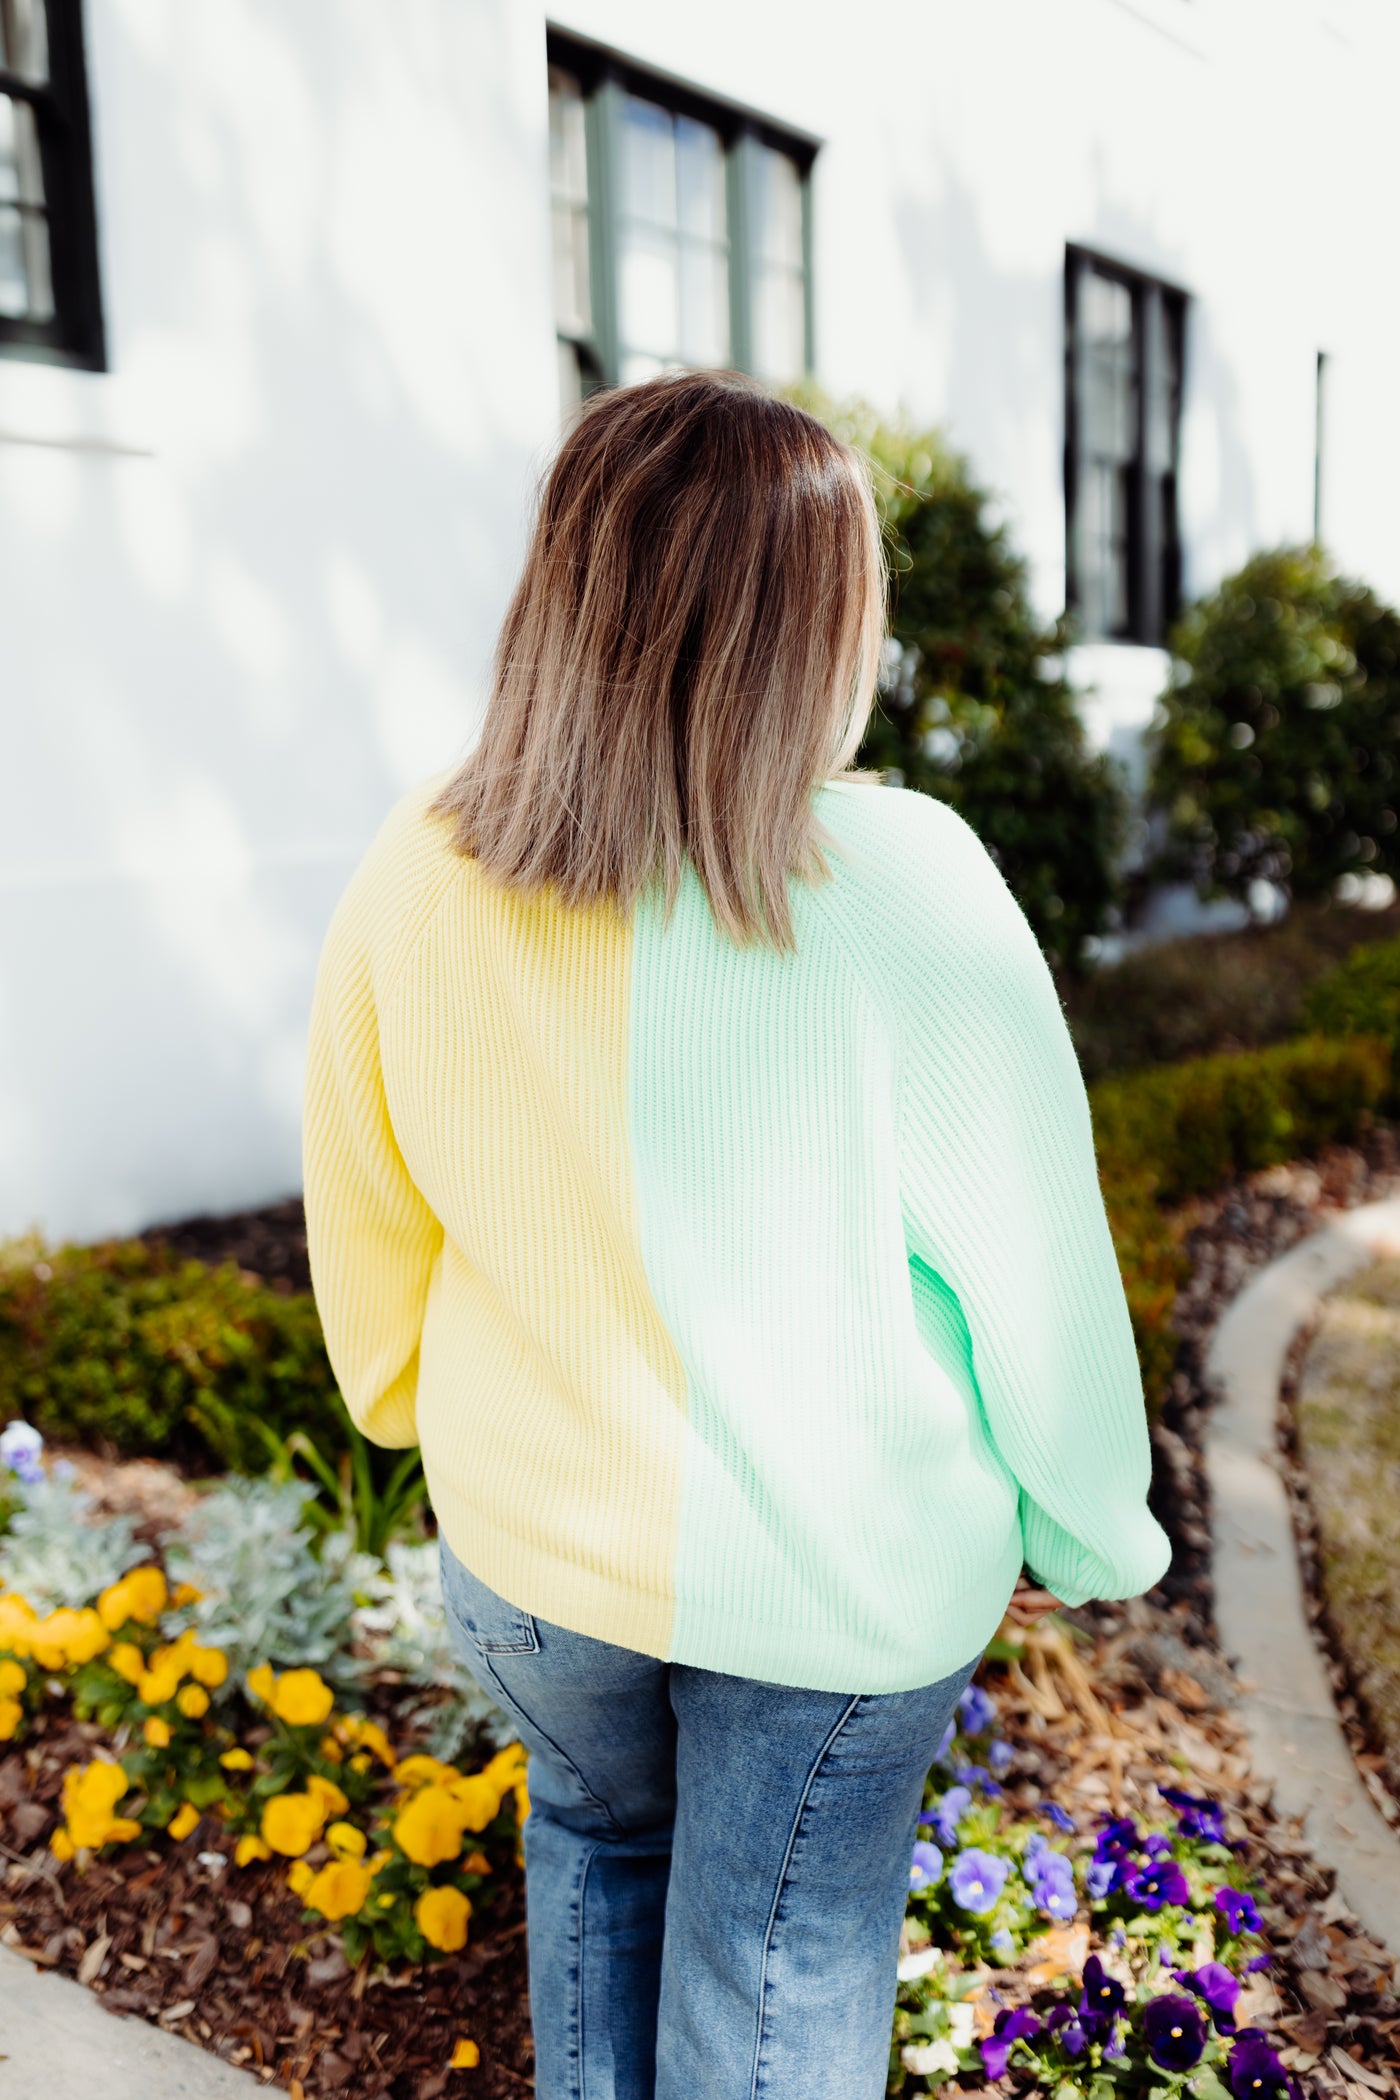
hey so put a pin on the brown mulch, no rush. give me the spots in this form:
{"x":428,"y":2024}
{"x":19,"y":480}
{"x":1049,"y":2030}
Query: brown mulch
{"x":229,"y":1962}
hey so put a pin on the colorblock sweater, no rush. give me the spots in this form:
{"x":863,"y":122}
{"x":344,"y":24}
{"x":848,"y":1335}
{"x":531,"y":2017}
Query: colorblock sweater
{"x":756,"y":1312}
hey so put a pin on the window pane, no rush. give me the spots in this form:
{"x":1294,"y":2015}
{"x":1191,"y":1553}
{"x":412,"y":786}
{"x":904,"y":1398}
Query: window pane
{"x":573,"y":308}
{"x":24,"y":39}
{"x":700,"y":180}
{"x":673,"y":270}
{"x":704,"y":305}
{"x":648,"y":162}
{"x":21,"y":172}
{"x":1108,"y":446}
{"x":777,"y":207}
{"x":568,"y":152}
{"x":26,"y":285}
{"x":648,"y":285}
{"x":779,"y":326}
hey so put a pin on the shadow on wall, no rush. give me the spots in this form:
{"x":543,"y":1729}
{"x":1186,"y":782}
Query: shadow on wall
{"x":235,"y":653}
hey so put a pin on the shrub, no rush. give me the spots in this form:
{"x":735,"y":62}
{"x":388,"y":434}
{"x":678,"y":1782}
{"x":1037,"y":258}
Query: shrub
{"x":1206,"y":993}
{"x":1360,"y":997}
{"x":126,"y":1345}
{"x":973,"y":707}
{"x":1180,"y":1130}
{"x":1275,"y":757}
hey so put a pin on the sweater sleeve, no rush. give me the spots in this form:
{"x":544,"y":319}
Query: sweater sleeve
{"x":372,"y":1240}
{"x":1002,"y":1199}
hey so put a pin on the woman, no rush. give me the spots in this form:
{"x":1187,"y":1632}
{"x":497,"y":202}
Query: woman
{"x":724,"y":1225}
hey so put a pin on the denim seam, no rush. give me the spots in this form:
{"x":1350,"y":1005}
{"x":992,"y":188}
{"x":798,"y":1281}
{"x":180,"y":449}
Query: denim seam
{"x":511,"y":1703}
{"x":771,"y":1929}
{"x":578,"y":2039}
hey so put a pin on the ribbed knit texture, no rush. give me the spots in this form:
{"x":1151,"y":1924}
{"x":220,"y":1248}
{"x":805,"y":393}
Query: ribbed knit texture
{"x":754,"y":1311}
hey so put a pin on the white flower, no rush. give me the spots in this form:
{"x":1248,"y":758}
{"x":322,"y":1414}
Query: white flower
{"x":20,"y":1450}
{"x":929,"y":2056}
{"x":915,"y":1965}
{"x":962,"y":2024}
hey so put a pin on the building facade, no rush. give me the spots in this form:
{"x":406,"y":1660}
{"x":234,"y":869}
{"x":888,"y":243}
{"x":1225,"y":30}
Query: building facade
{"x":292,"y":293}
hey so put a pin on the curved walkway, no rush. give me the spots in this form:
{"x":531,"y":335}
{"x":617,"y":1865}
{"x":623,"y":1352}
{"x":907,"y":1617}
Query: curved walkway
{"x":1286,"y":1700}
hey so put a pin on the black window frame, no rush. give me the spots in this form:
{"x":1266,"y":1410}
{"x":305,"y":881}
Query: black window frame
{"x":1154,"y":561}
{"x":75,"y":334}
{"x":602,"y":72}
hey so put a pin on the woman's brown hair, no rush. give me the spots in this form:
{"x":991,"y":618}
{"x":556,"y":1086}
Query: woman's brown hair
{"x":691,"y":650}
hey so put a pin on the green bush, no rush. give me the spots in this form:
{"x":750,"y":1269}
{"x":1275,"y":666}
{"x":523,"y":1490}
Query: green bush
{"x":1275,"y":757}
{"x":126,"y":1345}
{"x":1178,"y":1131}
{"x":1361,"y":996}
{"x":975,"y":710}
{"x":1207,"y":993}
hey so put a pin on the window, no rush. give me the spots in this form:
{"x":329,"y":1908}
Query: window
{"x":49,"y":305}
{"x":681,"y":227}
{"x":1124,"y":342}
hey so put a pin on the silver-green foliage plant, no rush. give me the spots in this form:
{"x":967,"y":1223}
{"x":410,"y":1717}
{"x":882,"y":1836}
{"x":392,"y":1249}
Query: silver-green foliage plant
{"x":403,"y":1622}
{"x":56,"y":1552}
{"x":267,"y":1593}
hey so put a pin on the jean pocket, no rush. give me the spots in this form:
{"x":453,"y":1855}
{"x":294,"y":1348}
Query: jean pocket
{"x":488,"y":1621}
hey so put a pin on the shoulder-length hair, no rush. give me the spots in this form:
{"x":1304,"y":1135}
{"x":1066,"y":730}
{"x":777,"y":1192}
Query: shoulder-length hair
{"x":691,"y":650}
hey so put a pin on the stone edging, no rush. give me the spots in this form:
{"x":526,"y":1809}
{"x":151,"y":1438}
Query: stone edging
{"x":1285,"y":1701}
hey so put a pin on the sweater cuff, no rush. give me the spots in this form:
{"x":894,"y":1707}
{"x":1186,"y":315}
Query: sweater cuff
{"x":1076,"y":1574}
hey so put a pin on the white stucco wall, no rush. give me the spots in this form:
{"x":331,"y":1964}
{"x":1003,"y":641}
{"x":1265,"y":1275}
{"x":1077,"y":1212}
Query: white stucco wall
{"x":249,"y":579}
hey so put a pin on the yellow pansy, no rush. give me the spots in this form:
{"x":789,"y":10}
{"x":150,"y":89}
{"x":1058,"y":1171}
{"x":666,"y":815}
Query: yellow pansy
{"x":429,"y":1827}
{"x":237,"y":1760}
{"x":522,"y":1802}
{"x":250,"y":1848}
{"x":346,"y":1842}
{"x":61,"y":1845}
{"x":302,"y":1699}
{"x":184,"y":1820}
{"x":68,"y":1637}
{"x":300,"y":1877}
{"x":328,"y":1794}
{"x":127,"y":1660}
{"x":465,"y":2055}
{"x":185,"y":1593}
{"x":12,"y":1678}
{"x":17,"y":1623}
{"x":193,"y":1701}
{"x":141,"y":1594}
{"x":156,"y":1687}
{"x":479,"y":1800}
{"x":441,"y":1916}
{"x":208,"y":1666}
{"x":11,"y":1714}
{"x":507,"y":1766}
{"x":90,"y":1793}
{"x":421,"y":1770}
{"x":477,"y":1863}
{"x":330,"y":1748}
{"x":156,"y":1732}
{"x":378,"y":1860}
{"x":356,"y":1728}
{"x":339,"y":1890}
{"x":361,"y":1761}
{"x":262,"y":1682}
{"x":291,"y":1823}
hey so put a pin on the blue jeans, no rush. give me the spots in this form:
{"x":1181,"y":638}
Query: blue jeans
{"x":715,"y":1869}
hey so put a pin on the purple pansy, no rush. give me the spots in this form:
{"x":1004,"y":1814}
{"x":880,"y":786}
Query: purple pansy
{"x":1197,"y":1817}
{"x":1254,"y":2070}
{"x":1103,"y":1997}
{"x":978,"y":1776}
{"x":1213,"y":1982}
{"x":1064,"y":2023}
{"x":925,"y":1866}
{"x":21,"y":1450}
{"x":1118,"y":1838}
{"x":1260,"y":1961}
{"x":1058,"y":1817}
{"x":947,"y":1812}
{"x":1011,"y":2027}
{"x":1001,"y":1941}
{"x":1156,"y":1846}
{"x":1240,"y":1910}
{"x":1175,"y":2029}
{"x":1050,"y":1878}
{"x":949,"y":1732}
{"x":977,"y":1709}
{"x":977,"y":1879}
{"x":1102,"y":1876}
{"x":1160,"y":1881}
{"x":1001,"y":1757}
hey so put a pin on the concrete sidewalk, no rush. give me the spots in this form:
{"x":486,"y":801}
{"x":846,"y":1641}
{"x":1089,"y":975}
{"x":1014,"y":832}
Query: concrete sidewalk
{"x":1295,"y":1736}
{"x":56,"y":2043}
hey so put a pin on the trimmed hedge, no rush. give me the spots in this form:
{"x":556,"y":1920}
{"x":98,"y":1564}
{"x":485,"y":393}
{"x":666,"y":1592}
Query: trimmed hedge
{"x":1361,"y":996}
{"x":1177,"y":1131}
{"x":128,"y":1345}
